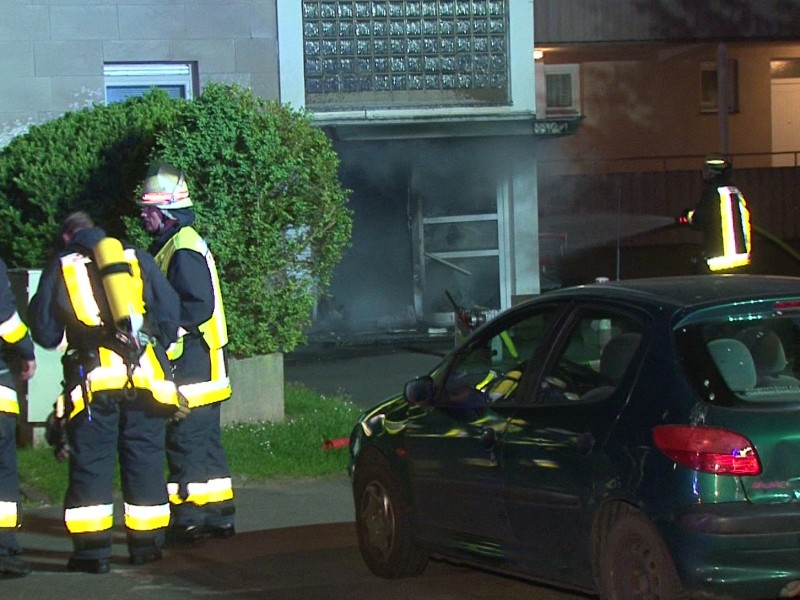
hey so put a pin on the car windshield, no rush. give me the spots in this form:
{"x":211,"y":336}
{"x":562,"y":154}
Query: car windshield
{"x":754,"y":359}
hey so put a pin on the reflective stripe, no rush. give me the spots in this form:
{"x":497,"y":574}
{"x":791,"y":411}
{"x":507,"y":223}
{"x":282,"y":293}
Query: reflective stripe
{"x":735,"y":251}
{"x":146,"y":518}
{"x":79,"y":289}
{"x":9,"y":517}
{"x":112,"y":375}
{"x":197,"y":493}
{"x":220,"y":489}
{"x":8,"y":400}
{"x":89,"y":519}
{"x":215,"y":331}
{"x":13,"y":329}
{"x":209,"y":392}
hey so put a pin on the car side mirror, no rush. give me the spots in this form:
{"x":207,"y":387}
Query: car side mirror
{"x":420,"y":390}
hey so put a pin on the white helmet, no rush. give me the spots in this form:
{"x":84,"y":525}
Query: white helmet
{"x":165,"y":187}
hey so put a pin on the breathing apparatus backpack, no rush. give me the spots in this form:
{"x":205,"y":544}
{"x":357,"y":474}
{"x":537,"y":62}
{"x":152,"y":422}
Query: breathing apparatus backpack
{"x":124,"y":292}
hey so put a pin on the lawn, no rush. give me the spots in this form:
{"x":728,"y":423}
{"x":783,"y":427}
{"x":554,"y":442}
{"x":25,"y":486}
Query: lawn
{"x":293,"y":447}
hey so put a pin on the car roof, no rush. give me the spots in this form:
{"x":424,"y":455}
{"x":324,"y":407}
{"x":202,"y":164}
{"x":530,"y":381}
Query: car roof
{"x":688,"y":291}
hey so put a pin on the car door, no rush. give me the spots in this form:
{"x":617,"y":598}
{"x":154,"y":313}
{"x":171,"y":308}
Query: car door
{"x":552,"y":449}
{"x":451,"y":446}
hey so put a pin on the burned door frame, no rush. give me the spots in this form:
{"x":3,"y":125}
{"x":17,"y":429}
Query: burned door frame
{"x":421,"y":256}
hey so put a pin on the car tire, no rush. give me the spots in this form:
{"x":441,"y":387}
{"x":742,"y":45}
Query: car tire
{"x":384,"y":524}
{"x":633,"y":562}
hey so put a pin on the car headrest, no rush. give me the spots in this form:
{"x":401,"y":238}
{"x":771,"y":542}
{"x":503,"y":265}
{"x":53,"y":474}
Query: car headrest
{"x":617,"y":355}
{"x":735,"y":363}
{"x":766,"y":348}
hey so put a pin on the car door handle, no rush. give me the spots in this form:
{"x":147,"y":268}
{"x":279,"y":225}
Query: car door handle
{"x":488,"y":438}
{"x":584,"y":443}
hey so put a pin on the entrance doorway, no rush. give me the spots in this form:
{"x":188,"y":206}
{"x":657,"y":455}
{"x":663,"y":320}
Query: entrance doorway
{"x":785,"y":94}
{"x":459,"y":240}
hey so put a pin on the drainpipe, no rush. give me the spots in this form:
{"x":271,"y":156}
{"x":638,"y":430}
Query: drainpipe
{"x":723,"y":102}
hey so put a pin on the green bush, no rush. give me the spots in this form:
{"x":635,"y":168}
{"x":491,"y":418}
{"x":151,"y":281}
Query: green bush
{"x":263,"y":180}
{"x":85,"y":160}
{"x":268,"y":200}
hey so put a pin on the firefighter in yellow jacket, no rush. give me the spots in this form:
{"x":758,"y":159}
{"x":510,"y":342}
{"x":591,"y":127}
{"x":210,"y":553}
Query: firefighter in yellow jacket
{"x":723,"y":217}
{"x":200,"y":489}
{"x":118,"y":314}
{"x":16,"y":357}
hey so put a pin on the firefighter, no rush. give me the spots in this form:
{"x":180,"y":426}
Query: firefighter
{"x":723,"y":217}
{"x":117,"y":390}
{"x":17,"y":356}
{"x":199,"y":483}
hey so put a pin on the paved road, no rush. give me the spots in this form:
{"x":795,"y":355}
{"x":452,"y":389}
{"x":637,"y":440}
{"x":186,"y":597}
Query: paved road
{"x":295,"y":542}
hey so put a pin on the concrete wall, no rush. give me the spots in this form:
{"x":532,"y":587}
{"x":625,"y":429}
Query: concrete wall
{"x":52,"y":51}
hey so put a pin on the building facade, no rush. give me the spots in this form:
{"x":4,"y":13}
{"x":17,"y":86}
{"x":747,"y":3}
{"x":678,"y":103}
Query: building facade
{"x":475,"y":170}
{"x":430,"y":103}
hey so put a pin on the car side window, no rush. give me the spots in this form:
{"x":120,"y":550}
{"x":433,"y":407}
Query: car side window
{"x":491,"y":367}
{"x":591,"y":363}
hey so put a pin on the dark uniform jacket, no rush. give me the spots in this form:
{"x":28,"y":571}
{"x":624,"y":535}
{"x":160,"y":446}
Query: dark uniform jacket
{"x":15,"y":342}
{"x":52,"y":315}
{"x":200,"y":363}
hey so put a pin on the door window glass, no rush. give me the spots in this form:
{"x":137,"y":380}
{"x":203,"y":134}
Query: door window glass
{"x":597,"y":353}
{"x":491,"y":367}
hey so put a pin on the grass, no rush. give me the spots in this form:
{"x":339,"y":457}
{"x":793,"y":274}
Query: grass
{"x":291,"y":448}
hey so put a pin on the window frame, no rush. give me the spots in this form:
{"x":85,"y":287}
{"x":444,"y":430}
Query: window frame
{"x":118,"y":75}
{"x":709,"y":92}
{"x":573,"y":71}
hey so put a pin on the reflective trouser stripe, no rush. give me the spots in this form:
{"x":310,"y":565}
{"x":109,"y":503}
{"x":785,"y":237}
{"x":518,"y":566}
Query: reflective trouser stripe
{"x":8,"y":514}
{"x":197,"y":493}
{"x":89,"y":519}
{"x":215,"y":490}
{"x":146,"y":518}
{"x":220,"y":489}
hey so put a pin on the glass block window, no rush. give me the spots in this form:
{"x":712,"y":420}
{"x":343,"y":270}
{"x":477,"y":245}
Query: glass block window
{"x":405,"y":53}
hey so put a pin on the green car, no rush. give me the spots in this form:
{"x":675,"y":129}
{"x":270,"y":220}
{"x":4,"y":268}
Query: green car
{"x":633,"y":439}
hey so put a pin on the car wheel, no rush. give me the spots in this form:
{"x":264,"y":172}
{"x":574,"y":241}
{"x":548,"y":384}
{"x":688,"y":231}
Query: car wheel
{"x":634,"y":563}
{"x":383,"y":524}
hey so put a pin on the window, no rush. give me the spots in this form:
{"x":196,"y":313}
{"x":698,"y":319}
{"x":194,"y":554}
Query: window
{"x":123,"y":80}
{"x":595,"y":358}
{"x":492,"y":367}
{"x":709,"y":83}
{"x":562,"y":90}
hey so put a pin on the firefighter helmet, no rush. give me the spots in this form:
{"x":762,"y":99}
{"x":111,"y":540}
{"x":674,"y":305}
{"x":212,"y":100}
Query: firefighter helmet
{"x":165,"y":187}
{"x":716,"y":165}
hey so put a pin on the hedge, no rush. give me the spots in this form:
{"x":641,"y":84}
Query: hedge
{"x":263,"y":180}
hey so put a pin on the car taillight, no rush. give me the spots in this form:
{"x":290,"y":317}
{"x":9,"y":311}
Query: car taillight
{"x":708,"y":449}
{"x":785,"y":306}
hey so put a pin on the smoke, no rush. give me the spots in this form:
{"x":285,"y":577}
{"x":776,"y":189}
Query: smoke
{"x":600,"y":229}
{"x":394,"y":184}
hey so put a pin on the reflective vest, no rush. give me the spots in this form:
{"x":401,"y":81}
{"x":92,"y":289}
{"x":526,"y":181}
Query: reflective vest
{"x":214,"y":331}
{"x":111,"y":372}
{"x":735,"y":231}
{"x":12,"y":330}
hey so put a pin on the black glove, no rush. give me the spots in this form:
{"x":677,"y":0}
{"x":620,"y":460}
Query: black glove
{"x":55,"y":433}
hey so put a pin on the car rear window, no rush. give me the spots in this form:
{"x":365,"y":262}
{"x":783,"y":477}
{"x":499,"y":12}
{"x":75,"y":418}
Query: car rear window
{"x":751,"y":358}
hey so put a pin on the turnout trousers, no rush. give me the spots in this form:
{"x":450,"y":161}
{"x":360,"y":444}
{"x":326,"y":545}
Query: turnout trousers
{"x":9,"y":485}
{"x":200,"y":489}
{"x":134,"y":430}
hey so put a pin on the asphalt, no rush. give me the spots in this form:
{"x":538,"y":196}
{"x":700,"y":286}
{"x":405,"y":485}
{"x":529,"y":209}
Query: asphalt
{"x":295,"y":538}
